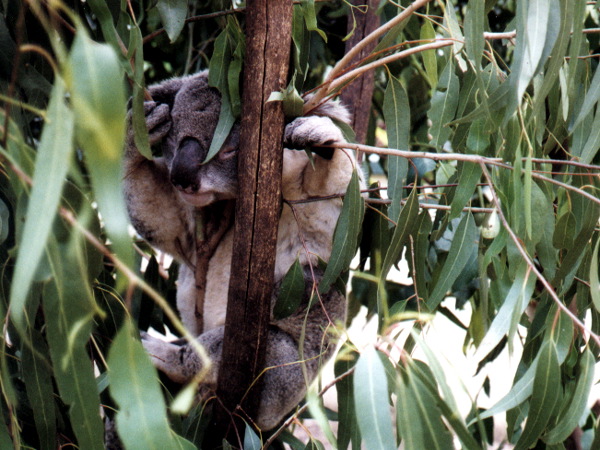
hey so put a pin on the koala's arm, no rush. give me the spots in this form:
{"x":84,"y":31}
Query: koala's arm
{"x":154,"y":207}
{"x":284,"y":383}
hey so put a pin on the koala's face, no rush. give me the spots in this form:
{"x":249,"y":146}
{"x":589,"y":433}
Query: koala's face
{"x":194,"y":114}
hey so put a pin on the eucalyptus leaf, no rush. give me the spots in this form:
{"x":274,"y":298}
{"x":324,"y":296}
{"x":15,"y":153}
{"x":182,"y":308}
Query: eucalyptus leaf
{"x":172,"y":14}
{"x":465,"y":239}
{"x":574,"y":408}
{"x":371,"y":401}
{"x":443,"y":105}
{"x":345,"y":238}
{"x":141,"y":419}
{"x":51,"y":167}
{"x":544,"y":396}
{"x":98,"y":99}
{"x":291,"y":292}
{"x":396,"y":111}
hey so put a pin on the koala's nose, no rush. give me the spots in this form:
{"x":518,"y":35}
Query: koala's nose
{"x":186,"y":164}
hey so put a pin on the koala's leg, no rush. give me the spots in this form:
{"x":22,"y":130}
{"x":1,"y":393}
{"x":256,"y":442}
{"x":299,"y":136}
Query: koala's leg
{"x":290,"y":367}
{"x":155,"y":209}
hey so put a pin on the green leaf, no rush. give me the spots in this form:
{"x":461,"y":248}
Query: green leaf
{"x":348,"y":431}
{"x":69,"y":308}
{"x":310,"y":17}
{"x":538,"y":25}
{"x":594,"y":282}
{"x":105,"y":19}
{"x":512,"y":307}
{"x":98,"y":99}
{"x":172,"y":15}
{"x":52,"y":163}
{"x":443,"y":105}
{"x":591,"y":98}
{"x":429,"y":56}
{"x":447,"y":405}
{"x":544,"y":396}
{"x":4,"y":221}
{"x":455,"y":33}
{"x":563,"y":233}
{"x":291,"y":292}
{"x":38,"y":381}
{"x":371,"y":400}
{"x":251,"y":440}
{"x":557,"y":57}
{"x":396,"y":111}
{"x":142,"y":416}
{"x":474,"y":28}
{"x":138,"y":117}
{"x":218,"y":71}
{"x":317,"y":412}
{"x":469,"y":175}
{"x":404,"y":228}
{"x":575,"y":406}
{"x":428,"y":421}
{"x":478,"y":139}
{"x":465,"y":239}
{"x":345,"y":238}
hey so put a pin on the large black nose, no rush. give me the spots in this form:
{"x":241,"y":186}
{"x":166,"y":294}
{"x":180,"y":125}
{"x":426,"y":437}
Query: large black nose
{"x":186,"y":164}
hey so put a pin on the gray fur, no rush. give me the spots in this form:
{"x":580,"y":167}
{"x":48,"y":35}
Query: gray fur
{"x":163,"y":197}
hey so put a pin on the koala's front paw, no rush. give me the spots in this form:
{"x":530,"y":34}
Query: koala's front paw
{"x":313,"y":132}
{"x":158,"y":120}
{"x":178,"y":362}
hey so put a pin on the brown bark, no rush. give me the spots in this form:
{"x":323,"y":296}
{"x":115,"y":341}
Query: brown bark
{"x":357,"y":96}
{"x":268,"y":43}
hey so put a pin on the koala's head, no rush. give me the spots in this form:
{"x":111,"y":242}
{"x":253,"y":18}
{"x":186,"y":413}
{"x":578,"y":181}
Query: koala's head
{"x":194,"y":112}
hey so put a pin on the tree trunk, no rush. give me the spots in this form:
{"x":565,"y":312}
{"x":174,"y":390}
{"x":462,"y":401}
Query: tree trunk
{"x":357,"y":96}
{"x":268,"y":43}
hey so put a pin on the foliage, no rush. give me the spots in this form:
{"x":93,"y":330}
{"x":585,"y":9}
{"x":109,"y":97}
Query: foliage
{"x":492,"y":118}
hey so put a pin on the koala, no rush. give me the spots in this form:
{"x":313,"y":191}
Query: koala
{"x":164,"y":197}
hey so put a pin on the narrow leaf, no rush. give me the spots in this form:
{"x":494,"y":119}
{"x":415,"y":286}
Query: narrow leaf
{"x":345,"y":238}
{"x":594,"y":281}
{"x":98,"y":98}
{"x":591,"y":98}
{"x":172,"y":15}
{"x":443,"y":105}
{"x":474,"y":28}
{"x":403,"y":229}
{"x":371,"y":397}
{"x":513,"y":306}
{"x":429,"y":56}
{"x":575,"y":408}
{"x":466,"y":238}
{"x":468,"y":176}
{"x":396,"y":111}
{"x":141,"y":419}
{"x":543,"y":398}
{"x":290,"y":292}
{"x":51,"y":167}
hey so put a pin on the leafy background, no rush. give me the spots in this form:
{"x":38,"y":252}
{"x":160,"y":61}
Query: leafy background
{"x":487,"y":134}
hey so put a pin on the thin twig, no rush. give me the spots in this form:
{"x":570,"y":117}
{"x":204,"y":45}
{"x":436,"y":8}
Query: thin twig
{"x":476,"y":159}
{"x":356,"y":50}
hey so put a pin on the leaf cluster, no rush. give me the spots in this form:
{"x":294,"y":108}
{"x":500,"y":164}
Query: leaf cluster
{"x":485,"y":197}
